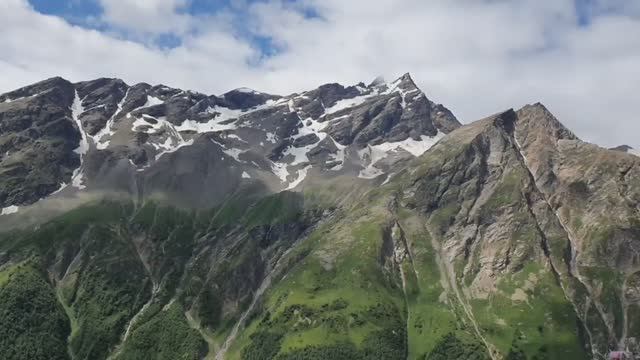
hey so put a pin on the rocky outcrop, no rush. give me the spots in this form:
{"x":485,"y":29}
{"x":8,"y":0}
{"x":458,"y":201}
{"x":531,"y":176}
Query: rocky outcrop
{"x":37,"y":141}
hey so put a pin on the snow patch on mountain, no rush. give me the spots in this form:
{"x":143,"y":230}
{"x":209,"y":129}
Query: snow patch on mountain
{"x":215,"y":124}
{"x":9,"y":210}
{"x":299,"y":154}
{"x":348,"y":103}
{"x":302,"y":174}
{"x":151,"y":101}
{"x":173,"y":139}
{"x":234,"y":153}
{"x":108,"y":128}
{"x":236,"y":137}
{"x":223,"y":119}
{"x":280,"y":170}
{"x":76,"y":110}
{"x":174,"y":148}
{"x":371,"y":154}
{"x":62,"y":187}
{"x":77,"y":179}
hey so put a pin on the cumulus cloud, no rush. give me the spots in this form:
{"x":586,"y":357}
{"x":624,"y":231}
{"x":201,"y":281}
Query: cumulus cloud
{"x":148,"y":17}
{"x":477,"y":57}
{"x":36,"y":46}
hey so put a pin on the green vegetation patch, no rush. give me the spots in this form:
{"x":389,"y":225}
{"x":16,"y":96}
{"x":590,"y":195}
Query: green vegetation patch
{"x":454,"y":347}
{"x":335,"y":300}
{"x":166,"y":336}
{"x":282,"y":207}
{"x":530,"y":316}
{"x":32,"y":324}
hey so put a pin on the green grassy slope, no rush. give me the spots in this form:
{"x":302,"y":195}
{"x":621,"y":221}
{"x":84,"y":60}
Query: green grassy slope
{"x":32,"y":324}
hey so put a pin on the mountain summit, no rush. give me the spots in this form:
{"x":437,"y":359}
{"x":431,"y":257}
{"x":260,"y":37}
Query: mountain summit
{"x":106,"y":135}
{"x":343,"y":222}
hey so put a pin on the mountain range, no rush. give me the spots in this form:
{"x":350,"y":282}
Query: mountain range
{"x":344,"y":222}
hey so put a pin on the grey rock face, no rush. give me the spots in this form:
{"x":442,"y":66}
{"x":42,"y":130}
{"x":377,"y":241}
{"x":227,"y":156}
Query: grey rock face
{"x":37,"y":139}
{"x":194,"y":148}
{"x":100,"y":99}
{"x":245,"y":98}
{"x":305,"y":140}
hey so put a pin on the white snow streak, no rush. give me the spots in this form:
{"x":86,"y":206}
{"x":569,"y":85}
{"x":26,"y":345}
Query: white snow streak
{"x":76,"y":110}
{"x":224,"y":114}
{"x":9,"y":210}
{"x":108,"y":128}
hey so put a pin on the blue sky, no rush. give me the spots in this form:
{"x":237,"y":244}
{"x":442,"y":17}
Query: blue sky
{"x":477,"y":57}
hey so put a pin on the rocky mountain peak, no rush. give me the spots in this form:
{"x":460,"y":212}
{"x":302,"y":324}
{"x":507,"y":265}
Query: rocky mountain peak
{"x":406,"y":81}
{"x":626,"y":149}
{"x":142,"y":132}
{"x":536,"y":117}
{"x":59,"y":88}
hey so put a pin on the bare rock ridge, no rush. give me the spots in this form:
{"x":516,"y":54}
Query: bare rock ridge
{"x":137,"y":136}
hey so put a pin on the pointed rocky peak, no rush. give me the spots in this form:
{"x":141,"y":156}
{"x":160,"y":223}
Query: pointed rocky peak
{"x":499,"y":123}
{"x":246,"y":98}
{"x":626,"y":149}
{"x":407,"y":80}
{"x":62,"y":89}
{"x":403,"y":84}
{"x":536,"y":117}
{"x":622,"y":148}
{"x":50,"y":83}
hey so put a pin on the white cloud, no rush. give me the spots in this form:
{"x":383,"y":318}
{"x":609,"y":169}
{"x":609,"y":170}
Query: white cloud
{"x":476,"y":57}
{"x":147,"y":16}
{"x":35,"y":46}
